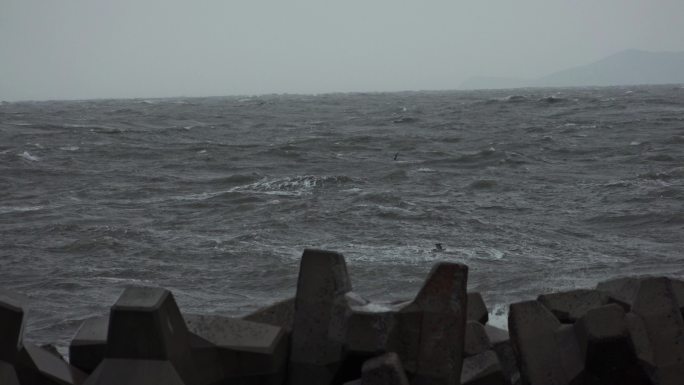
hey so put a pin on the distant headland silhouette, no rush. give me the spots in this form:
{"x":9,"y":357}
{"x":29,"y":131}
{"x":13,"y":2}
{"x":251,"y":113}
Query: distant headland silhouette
{"x":629,"y":67}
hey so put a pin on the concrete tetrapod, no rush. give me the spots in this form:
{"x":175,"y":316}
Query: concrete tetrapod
{"x":383,"y":370}
{"x":237,"y":351}
{"x":658,"y":310}
{"x":483,"y":369}
{"x":476,"y":339}
{"x":501,"y":344}
{"x":607,"y":349}
{"x":147,"y":342}
{"x":535,"y":334}
{"x":87,"y":348}
{"x":569,"y":306}
{"x":429,"y":332}
{"x":280,"y":314}
{"x":27,"y":364}
{"x":317,"y":346}
{"x":477,"y":310}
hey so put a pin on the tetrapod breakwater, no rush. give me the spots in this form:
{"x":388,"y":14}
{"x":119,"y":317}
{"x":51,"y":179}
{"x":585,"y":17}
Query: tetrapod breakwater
{"x":626,"y":331}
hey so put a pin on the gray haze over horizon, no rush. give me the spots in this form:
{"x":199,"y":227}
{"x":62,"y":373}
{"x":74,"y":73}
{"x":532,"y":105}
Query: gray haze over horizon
{"x":82,"y":49}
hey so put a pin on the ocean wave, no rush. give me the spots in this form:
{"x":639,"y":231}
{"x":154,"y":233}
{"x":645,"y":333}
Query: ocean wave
{"x":552,"y":100}
{"x":515,"y":99}
{"x":673,"y":173}
{"x":19,"y":209}
{"x":295,"y":185}
{"x":638,"y":219}
{"x":287,"y":186}
{"x":404,"y":120}
{"x":483,"y":184}
{"x":27,"y":156}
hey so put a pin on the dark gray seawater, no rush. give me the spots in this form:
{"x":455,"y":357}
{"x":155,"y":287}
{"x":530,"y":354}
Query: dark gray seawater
{"x":215,"y":198}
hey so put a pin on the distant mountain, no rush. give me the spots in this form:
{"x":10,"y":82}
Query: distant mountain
{"x":628,"y":67}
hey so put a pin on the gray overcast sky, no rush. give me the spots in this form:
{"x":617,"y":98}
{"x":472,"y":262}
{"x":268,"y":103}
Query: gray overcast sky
{"x":76,"y":49}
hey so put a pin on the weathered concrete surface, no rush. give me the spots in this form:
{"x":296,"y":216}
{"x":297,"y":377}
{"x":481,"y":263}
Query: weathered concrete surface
{"x":317,"y":347}
{"x":501,"y":344}
{"x":243,"y":351}
{"x":535,"y":333}
{"x":483,"y":369}
{"x":496,"y":335}
{"x":279,"y":314}
{"x":639,"y":337}
{"x":657,"y":307}
{"x":430,"y":332}
{"x":570,"y":355}
{"x":621,"y":290}
{"x":11,"y":327}
{"x":477,"y":310}
{"x":35,"y":365}
{"x":368,"y":328}
{"x":476,"y":340}
{"x":87,"y":348}
{"x":384,"y":370}
{"x":678,"y":288}
{"x":146,"y":332}
{"x":8,"y":376}
{"x":569,"y":306}
{"x":26,"y":363}
{"x":117,"y":371}
{"x":604,"y":341}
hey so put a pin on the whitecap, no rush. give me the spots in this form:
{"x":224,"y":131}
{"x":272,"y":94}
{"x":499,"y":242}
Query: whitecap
{"x":70,"y":148}
{"x":19,"y":209}
{"x":295,"y":185}
{"x":27,"y":156}
{"x":353,"y":190}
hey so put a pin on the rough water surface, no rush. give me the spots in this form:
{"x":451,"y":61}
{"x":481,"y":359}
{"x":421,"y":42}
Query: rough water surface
{"x":536,"y":190}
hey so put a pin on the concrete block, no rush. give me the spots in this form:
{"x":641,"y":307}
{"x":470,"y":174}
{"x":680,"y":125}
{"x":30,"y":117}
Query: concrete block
{"x":570,"y":355}
{"x":242,"y":350}
{"x":11,"y":327}
{"x":145,"y":323}
{"x":8,"y":376}
{"x":368,"y":329}
{"x":533,"y":331}
{"x":604,"y":340}
{"x":279,"y":314}
{"x":477,"y":310}
{"x":496,"y":335}
{"x":483,"y":369}
{"x":384,"y":370}
{"x":569,"y":306}
{"x":117,"y":371}
{"x":87,"y":348}
{"x":317,"y":347}
{"x":657,"y":307}
{"x":476,"y":340}
{"x":501,"y":345}
{"x":678,"y":288}
{"x":621,"y":290}
{"x":147,"y":331}
{"x":639,"y":337}
{"x":429,"y":332}
{"x":35,"y":365}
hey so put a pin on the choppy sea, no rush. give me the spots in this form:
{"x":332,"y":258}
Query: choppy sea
{"x":536,"y":190}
